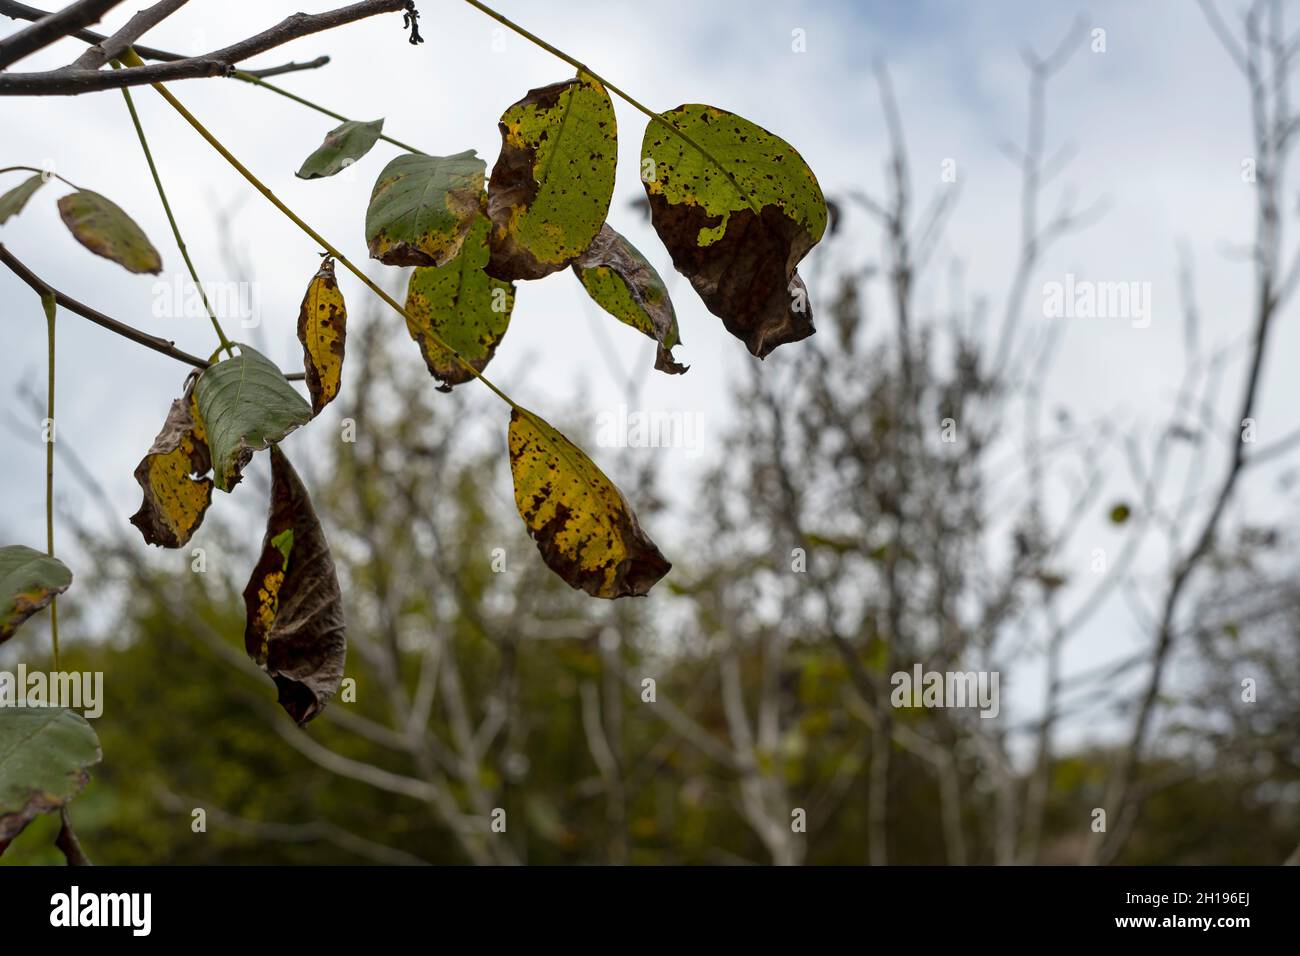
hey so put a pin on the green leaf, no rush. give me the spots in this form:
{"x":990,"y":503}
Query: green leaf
{"x":29,"y":580}
{"x":245,"y":404}
{"x":12,"y":202}
{"x":343,"y":146}
{"x":422,"y":207}
{"x":583,"y":526}
{"x":322,"y":330}
{"x":626,"y":285}
{"x":295,"y":628}
{"x":738,"y":208}
{"x":175,"y":501}
{"x":460,"y":304}
{"x":101,"y":226}
{"x":552,"y":183}
{"x":45,"y":753}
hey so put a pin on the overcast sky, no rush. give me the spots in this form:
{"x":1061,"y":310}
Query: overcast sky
{"x":1159,"y":121}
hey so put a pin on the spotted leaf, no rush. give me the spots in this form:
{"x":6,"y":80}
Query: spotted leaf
{"x":172,"y":477}
{"x":738,"y":208}
{"x":322,"y":328}
{"x":583,"y":526}
{"x":461,"y":305}
{"x":552,"y":183}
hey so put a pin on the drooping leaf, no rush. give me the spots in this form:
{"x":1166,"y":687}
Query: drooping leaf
{"x":176,"y":495}
{"x":738,"y":208}
{"x":623,"y":283}
{"x":463,"y":306}
{"x":101,"y":226}
{"x":45,"y":756}
{"x":29,"y":580}
{"x":322,"y":328}
{"x":422,"y":207}
{"x":583,"y":526}
{"x":295,"y":629}
{"x":343,"y":146}
{"x":12,"y":202}
{"x":245,"y":404}
{"x":551,"y":186}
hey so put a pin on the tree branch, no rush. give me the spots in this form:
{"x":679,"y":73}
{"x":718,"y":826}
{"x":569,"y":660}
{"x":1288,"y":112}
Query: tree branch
{"x":157,"y":343}
{"x":72,"y":80}
{"x":50,"y":27}
{"x":20,"y":11}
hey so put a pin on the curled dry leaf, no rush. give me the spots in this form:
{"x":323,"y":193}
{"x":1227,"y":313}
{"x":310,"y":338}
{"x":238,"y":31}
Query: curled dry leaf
{"x":245,"y":404}
{"x":552,"y":183}
{"x":343,"y":146}
{"x":12,"y":202}
{"x":738,"y":208}
{"x":584,"y":527}
{"x":45,"y":756}
{"x":422,"y":207}
{"x":295,"y":628}
{"x":29,"y":580}
{"x":322,"y":328}
{"x":461,"y":305}
{"x":624,"y":283}
{"x":171,"y":475}
{"x":101,"y":226}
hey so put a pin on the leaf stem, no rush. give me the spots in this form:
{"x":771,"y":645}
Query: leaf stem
{"x":43,"y":172}
{"x":654,"y":117}
{"x":131,"y":58}
{"x":257,"y":80}
{"x":51,"y":307}
{"x":324,"y":244}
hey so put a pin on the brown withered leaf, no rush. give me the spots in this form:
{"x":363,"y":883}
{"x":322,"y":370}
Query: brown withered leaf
{"x":176,"y":495}
{"x":295,"y":627}
{"x":322,"y":330}
{"x":738,"y":208}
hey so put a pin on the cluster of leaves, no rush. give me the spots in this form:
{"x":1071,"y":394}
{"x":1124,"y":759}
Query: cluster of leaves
{"x":736,"y":206}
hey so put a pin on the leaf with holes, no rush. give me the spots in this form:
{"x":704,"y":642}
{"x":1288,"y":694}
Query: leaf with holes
{"x":623,"y":283}
{"x":45,"y":757}
{"x":552,"y":183}
{"x":461,"y":305}
{"x":12,"y":202}
{"x":322,"y":328}
{"x":171,"y":475}
{"x":738,"y":208}
{"x":101,"y":226}
{"x":343,"y":146}
{"x":29,"y":580}
{"x":245,"y":404}
{"x":422,"y":207}
{"x":295,"y":629}
{"x":583,"y":526}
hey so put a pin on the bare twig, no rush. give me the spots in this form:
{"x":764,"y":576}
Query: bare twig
{"x":50,"y":27}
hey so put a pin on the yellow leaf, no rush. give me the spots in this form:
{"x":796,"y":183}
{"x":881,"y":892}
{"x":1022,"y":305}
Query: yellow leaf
{"x":322,"y":328}
{"x":174,"y":501}
{"x":583,"y":526}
